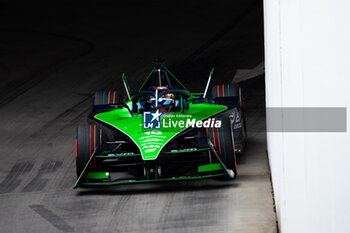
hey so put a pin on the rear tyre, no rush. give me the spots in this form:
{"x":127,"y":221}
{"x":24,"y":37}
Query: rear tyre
{"x":88,"y":139}
{"x":222,"y":139}
{"x":225,"y":90}
{"x":106,"y":97}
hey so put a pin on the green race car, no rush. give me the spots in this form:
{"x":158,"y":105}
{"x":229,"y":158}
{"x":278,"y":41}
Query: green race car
{"x":162,"y":132}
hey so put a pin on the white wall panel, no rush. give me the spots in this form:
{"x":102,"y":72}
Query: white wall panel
{"x":307,"y":49}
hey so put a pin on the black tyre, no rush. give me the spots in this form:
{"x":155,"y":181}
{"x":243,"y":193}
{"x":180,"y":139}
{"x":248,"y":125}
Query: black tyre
{"x":222,"y":139}
{"x":225,"y":90}
{"x":228,"y":94}
{"x":106,"y":97}
{"x":88,"y":139}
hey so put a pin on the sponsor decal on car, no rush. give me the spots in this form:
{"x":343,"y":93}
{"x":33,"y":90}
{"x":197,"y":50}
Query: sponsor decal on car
{"x":182,"y":150}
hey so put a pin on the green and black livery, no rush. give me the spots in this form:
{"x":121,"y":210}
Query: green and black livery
{"x":114,"y":147}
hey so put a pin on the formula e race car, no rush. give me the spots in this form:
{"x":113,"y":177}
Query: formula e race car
{"x":162,"y":132}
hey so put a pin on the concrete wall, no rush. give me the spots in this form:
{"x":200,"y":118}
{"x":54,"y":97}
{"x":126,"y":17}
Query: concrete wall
{"x":307,"y":49}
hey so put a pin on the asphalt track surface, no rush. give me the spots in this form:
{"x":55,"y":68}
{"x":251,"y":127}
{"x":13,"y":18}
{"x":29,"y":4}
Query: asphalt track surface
{"x":54,"y":57}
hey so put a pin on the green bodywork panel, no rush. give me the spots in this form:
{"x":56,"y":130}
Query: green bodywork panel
{"x":210,"y":167}
{"x":151,"y":141}
{"x":97,"y":175}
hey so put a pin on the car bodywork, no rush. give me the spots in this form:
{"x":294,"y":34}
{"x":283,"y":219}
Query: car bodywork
{"x":131,"y":153}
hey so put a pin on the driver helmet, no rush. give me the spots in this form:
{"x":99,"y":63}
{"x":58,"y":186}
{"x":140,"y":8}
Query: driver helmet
{"x":166,"y":100}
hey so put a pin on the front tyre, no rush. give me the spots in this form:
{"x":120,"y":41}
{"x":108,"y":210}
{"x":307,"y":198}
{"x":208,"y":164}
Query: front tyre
{"x":222,"y":139}
{"x":231,"y":96}
{"x":88,"y":139}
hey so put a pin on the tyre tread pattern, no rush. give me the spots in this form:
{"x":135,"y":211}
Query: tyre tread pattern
{"x":106,"y":97}
{"x":223,"y":143}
